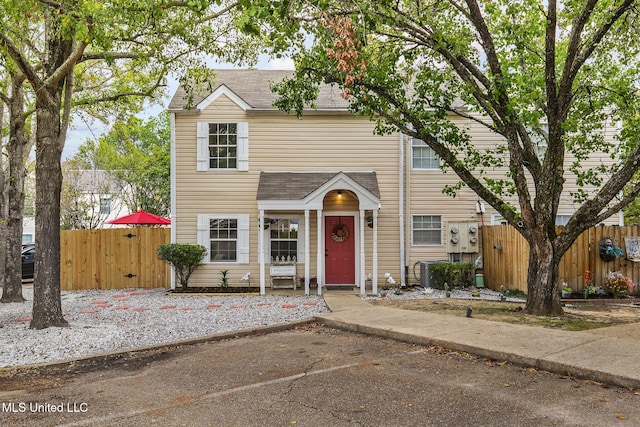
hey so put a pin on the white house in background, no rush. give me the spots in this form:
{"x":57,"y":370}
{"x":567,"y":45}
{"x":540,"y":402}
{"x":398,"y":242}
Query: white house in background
{"x":90,"y":198}
{"x":321,"y":199}
{"x":28,"y":229}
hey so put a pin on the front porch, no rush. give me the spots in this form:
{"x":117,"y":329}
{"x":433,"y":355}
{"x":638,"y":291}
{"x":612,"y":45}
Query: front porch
{"x":336,"y":253}
{"x":349,"y":290}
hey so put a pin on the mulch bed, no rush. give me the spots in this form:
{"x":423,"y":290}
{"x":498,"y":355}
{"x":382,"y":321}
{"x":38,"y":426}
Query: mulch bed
{"x":213,"y":290}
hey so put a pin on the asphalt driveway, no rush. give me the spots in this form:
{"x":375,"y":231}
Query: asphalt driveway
{"x":308,"y":376}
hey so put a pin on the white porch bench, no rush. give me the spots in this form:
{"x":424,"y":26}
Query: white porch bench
{"x":285,"y":272}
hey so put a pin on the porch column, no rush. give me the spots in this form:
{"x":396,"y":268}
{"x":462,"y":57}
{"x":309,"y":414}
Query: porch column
{"x":362,"y":254}
{"x":374,"y":262}
{"x":261,"y":250}
{"x":320,"y":255}
{"x":307,"y":252}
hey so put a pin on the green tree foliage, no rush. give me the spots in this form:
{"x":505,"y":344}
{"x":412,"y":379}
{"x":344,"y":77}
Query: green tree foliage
{"x":183,"y":258}
{"x":135,"y":153}
{"x":548,"y":79}
{"x":106,"y":56}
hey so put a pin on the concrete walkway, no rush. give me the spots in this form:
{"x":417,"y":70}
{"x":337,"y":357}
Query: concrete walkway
{"x":607,"y":355}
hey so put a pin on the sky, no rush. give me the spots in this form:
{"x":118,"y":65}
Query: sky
{"x":81,"y":131}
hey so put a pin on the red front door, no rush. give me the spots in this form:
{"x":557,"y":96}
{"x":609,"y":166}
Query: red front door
{"x":339,"y":237}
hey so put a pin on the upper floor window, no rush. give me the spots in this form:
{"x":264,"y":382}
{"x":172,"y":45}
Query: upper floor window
{"x":539,"y":137}
{"x":427,"y":229}
{"x":105,"y":206}
{"x":283,"y":234}
{"x":223,"y":143}
{"x":423,"y":156}
{"x":222,"y":146}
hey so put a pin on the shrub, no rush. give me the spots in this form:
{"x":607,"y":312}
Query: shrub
{"x":183,"y":258}
{"x":453,"y":274}
{"x":617,"y":283}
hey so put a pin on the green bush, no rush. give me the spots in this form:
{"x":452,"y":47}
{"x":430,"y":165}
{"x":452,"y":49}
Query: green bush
{"x":183,"y":258}
{"x":453,"y":274}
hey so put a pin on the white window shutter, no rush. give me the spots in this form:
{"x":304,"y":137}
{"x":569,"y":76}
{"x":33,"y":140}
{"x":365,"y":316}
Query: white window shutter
{"x":267,"y":244}
{"x":202,"y":146}
{"x":243,"y":239}
{"x":301,"y":243}
{"x":203,"y":234}
{"x":243,"y":146}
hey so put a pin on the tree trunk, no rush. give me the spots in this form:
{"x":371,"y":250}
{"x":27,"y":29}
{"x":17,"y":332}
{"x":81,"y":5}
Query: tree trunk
{"x":543,"y":290}
{"x":12,"y":291}
{"x":47,"y":308}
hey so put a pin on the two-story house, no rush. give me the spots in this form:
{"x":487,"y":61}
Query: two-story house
{"x":91,"y":198}
{"x":261,"y":189}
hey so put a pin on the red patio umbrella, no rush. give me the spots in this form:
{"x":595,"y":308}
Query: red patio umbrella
{"x":140,"y":218}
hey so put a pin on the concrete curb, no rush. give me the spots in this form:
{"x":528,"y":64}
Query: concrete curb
{"x":580,"y":357}
{"x":259,"y":330}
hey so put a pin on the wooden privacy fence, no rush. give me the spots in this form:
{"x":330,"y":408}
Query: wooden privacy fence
{"x":505,"y":256}
{"x":114,"y":258}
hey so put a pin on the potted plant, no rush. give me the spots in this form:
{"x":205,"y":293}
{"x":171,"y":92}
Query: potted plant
{"x":617,"y":283}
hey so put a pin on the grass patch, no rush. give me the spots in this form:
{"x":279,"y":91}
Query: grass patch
{"x":575,"y":318}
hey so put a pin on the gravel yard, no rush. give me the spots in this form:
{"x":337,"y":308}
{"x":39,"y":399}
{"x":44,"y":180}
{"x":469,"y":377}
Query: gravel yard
{"x":105,"y":321}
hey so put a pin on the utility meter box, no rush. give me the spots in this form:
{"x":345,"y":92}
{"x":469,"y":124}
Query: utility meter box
{"x":463,"y":237}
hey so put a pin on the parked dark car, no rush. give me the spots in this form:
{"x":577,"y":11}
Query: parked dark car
{"x":28,"y":258}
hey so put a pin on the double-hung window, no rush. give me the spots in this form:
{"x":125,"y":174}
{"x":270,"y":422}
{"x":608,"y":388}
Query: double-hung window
{"x":423,"y":156}
{"x":223,"y":234}
{"x":105,"y":206}
{"x":226,"y":237}
{"x":283,"y":234}
{"x":222,"y":146}
{"x":427,"y":229}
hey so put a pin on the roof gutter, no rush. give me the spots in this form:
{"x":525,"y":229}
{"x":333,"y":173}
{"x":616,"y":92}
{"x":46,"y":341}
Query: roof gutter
{"x":401,"y":208}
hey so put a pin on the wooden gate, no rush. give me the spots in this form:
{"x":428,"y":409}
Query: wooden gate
{"x":114,"y":258}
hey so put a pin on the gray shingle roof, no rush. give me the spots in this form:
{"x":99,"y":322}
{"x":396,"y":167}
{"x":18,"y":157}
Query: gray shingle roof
{"x":94,"y":181}
{"x":254,"y":87}
{"x":298,"y":185}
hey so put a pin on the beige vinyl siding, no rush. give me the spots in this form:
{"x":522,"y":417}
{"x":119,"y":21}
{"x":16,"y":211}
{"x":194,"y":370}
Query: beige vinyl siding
{"x":280,"y":142}
{"x":320,"y":142}
{"x":424,"y":197}
{"x":424,"y":193}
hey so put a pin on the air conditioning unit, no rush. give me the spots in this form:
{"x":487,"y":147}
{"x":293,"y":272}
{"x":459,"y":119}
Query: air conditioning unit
{"x":425,"y":275}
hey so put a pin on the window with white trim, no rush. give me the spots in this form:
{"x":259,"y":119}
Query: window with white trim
{"x":222,"y":146}
{"x":497,"y":219}
{"x":105,"y":206}
{"x":423,"y":156}
{"x":562,"y":219}
{"x":427,"y":229}
{"x":226,"y":237}
{"x":283,"y":234}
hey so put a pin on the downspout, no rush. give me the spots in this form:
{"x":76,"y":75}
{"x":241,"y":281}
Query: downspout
{"x":401,"y":210}
{"x":172,"y":118}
